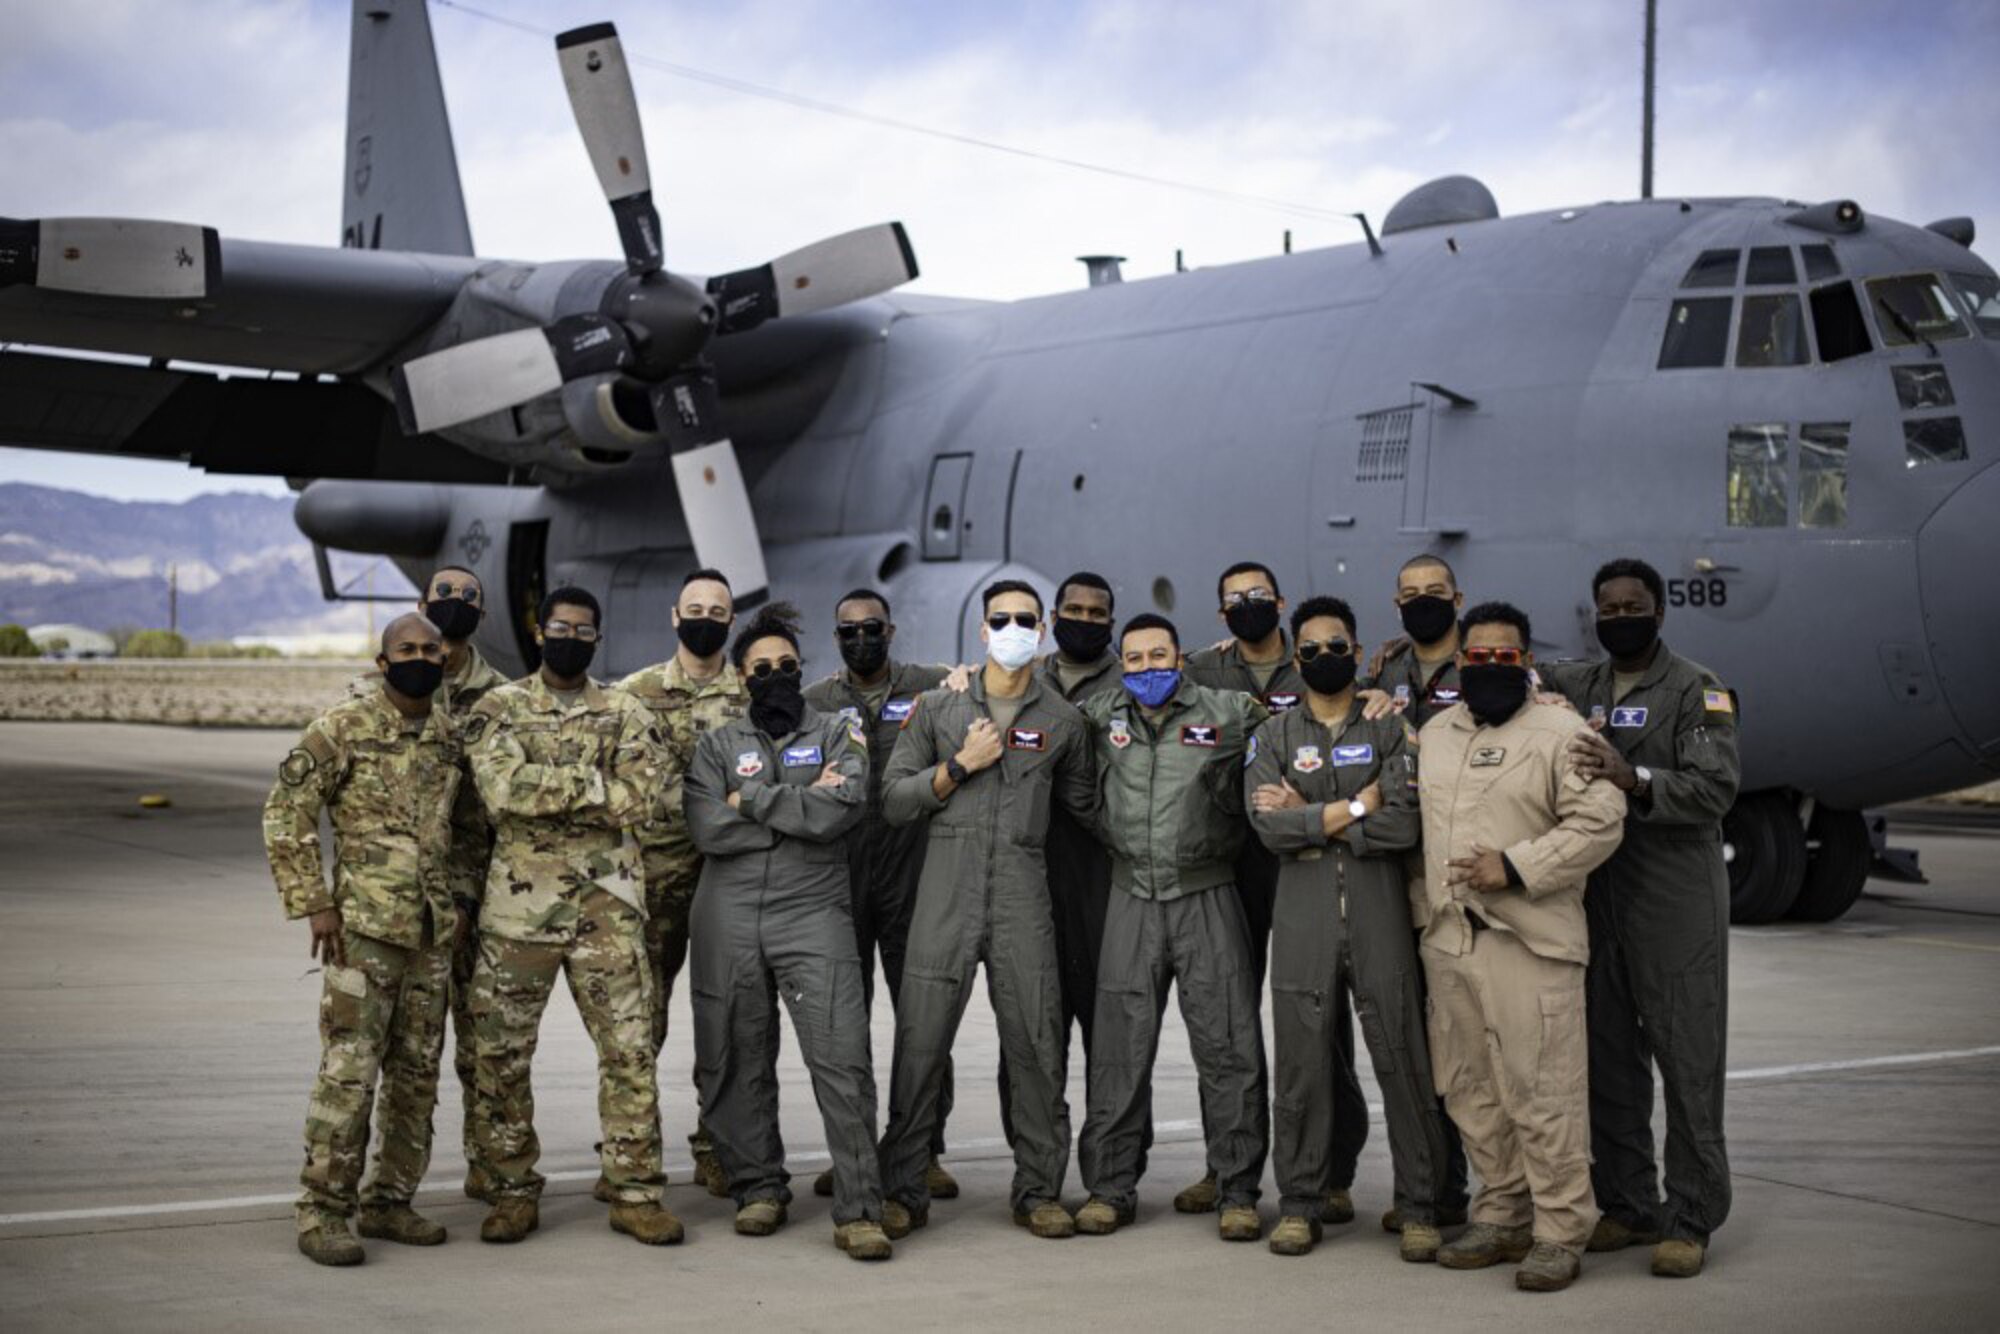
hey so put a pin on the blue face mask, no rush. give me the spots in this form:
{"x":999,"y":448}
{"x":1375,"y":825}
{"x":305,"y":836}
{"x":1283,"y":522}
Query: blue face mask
{"x":1154,"y":686}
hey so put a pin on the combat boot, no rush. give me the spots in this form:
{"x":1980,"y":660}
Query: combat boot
{"x":823,"y":1183}
{"x":863,"y":1239}
{"x":1295,"y":1235}
{"x":1392,"y":1219}
{"x":899,"y":1220}
{"x":328,"y":1242}
{"x":1338,"y":1207}
{"x":1239,"y":1222}
{"x":646,"y":1221}
{"x":1678,"y":1257}
{"x":760,"y":1218}
{"x":938,"y":1183}
{"x":708,"y":1173}
{"x":1420,"y":1243}
{"x":602,"y":1192}
{"x":1099,"y":1218}
{"x":399,"y":1223}
{"x":1485,"y":1244}
{"x":1199,"y":1198}
{"x":1548,"y":1268}
{"x":1047,"y":1219}
{"x":1612,"y":1235}
{"x":513,"y":1218}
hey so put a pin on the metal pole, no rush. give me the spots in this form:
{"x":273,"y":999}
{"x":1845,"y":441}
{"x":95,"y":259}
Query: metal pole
{"x":1646,"y":129}
{"x":173,"y":599}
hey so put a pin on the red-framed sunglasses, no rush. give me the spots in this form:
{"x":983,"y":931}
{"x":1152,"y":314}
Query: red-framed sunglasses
{"x":1494,"y":657}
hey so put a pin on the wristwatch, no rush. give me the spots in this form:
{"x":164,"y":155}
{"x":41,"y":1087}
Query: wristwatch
{"x":1357,"y":809}
{"x":1645,"y":780}
{"x":956,"y":772}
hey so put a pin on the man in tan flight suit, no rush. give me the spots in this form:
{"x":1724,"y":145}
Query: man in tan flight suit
{"x":1512,"y":828}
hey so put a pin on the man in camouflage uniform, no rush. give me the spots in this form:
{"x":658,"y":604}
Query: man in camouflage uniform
{"x":454,"y":601}
{"x":690,"y":693}
{"x":385,"y":769}
{"x":567,"y":769}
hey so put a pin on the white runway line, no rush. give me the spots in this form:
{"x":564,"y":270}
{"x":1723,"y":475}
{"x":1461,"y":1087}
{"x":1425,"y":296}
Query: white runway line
{"x":1162,"y":1128}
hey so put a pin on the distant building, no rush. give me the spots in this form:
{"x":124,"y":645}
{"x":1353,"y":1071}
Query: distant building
{"x":75,"y":641}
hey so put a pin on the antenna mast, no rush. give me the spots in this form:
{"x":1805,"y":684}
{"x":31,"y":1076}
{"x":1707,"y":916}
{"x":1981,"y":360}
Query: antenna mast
{"x":1646,"y":128}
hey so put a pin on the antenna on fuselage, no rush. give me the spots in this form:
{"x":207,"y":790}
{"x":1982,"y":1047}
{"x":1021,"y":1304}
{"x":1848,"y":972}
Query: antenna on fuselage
{"x":1646,"y":118}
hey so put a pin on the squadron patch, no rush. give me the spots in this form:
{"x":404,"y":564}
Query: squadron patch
{"x":852,"y":716}
{"x":297,"y":767}
{"x":1306,"y":759}
{"x":1250,"y":753}
{"x":749,"y":764}
{"x":1633,"y":715}
{"x":1488,"y":756}
{"x":1120,"y":734}
{"x":1027,"y":738}
{"x":1346,"y":755}
{"x":798,"y":757}
{"x":897,"y":710}
{"x":1201,"y":734}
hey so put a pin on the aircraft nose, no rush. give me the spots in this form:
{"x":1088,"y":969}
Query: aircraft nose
{"x":1958,"y":549}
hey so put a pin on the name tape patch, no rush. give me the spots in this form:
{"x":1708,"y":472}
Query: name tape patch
{"x":896,"y":710}
{"x":1201,"y":734}
{"x":1278,"y":701}
{"x":797,"y":757}
{"x":1027,"y":738}
{"x":1487,"y":756}
{"x":1361,"y":754}
{"x":1445,"y":695}
{"x":1631,"y":715}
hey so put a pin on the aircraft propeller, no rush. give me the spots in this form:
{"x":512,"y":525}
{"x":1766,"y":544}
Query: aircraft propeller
{"x":652,"y":327}
{"x":128,"y":257}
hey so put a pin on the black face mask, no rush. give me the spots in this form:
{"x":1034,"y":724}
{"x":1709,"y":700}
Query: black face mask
{"x":1329,"y":674}
{"x":567,"y":657}
{"x":1493,"y":693}
{"x":1082,"y":641}
{"x":1627,"y":637}
{"x":864,"y":655}
{"x":414,"y":677}
{"x":702,"y":637}
{"x":455,"y":618}
{"x":1429,"y":619}
{"x":777,"y":704}
{"x":1252,"y":622}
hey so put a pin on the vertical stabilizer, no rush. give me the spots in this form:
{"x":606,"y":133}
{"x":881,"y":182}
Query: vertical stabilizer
{"x":401,"y":190}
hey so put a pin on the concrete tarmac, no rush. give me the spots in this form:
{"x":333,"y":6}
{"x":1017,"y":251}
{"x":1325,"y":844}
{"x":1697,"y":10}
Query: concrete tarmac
{"x":157,"y":1043}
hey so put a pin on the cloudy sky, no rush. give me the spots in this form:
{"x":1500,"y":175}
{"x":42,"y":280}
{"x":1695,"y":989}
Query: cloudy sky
{"x":231,"y":112}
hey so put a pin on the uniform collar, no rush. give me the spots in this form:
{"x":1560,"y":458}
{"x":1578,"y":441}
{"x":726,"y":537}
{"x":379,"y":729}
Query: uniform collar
{"x":1047,"y":669}
{"x":396,"y":718}
{"x":725,"y":682}
{"x":544,"y":700}
{"x":977,"y":689}
{"x":809,"y":725}
{"x":893,"y":682}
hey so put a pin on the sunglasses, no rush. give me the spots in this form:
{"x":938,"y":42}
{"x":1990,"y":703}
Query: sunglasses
{"x":444,"y":590}
{"x":1253,"y":595}
{"x":1494,"y":657}
{"x":1000,"y":620}
{"x":782,"y":667}
{"x":849,"y":631}
{"x":1312,"y":648}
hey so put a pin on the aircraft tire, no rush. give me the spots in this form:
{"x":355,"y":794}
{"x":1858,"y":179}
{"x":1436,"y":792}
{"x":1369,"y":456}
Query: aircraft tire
{"x":1768,"y":861}
{"x":1837,"y":860}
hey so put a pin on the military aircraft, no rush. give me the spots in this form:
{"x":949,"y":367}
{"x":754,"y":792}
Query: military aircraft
{"x":1792,"y":410}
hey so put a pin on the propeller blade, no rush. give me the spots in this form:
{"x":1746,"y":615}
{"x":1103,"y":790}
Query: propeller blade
{"x":820,"y":276}
{"x":716,"y":505}
{"x":488,"y":375}
{"x":607,"y":114}
{"x":112,"y":257}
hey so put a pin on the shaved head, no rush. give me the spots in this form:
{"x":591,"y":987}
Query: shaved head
{"x":409,"y":628}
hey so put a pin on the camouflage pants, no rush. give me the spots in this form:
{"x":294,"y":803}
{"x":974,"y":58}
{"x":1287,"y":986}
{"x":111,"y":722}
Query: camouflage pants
{"x":380,"y":1015}
{"x":608,"y":976}
{"x":669,"y":904}
{"x":464,"y":960}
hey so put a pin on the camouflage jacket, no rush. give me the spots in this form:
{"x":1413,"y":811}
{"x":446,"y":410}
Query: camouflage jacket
{"x":683,"y":710}
{"x":565,"y":788}
{"x":387,"y":783}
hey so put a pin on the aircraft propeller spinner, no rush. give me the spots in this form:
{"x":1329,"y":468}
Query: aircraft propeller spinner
{"x":652,"y":327}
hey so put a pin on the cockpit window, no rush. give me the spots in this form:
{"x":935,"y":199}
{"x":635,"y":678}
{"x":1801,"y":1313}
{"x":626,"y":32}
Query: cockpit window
{"x":1820,"y":262}
{"x":1697,"y":333}
{"x":1981,"y":294}
{"x":1837,"y":323}
{"x":1929,"y":440}
{"x":1758,"y":468}
{"x":1823,"y":475}
{"x":1715,"y":268}
{"x":1924,"y":385}
{"x":1771,"y":266}
{"x":1913,"y":308}
{"x":1774,"y":332}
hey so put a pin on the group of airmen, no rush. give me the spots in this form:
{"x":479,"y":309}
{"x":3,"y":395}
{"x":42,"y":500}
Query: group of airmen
{"x":1511,"y":873}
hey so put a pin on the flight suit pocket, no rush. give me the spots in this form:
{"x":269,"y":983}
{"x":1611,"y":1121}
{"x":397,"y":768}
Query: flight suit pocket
{"x":1562,"y":1061}
{"x":1376,"y":1033}
{"x":1447,"y":1064}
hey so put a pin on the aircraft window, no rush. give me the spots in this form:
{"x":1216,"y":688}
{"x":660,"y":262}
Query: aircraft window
{"x":1837,"y":323}
{"x":1820,"y":262}
{"x":1697,"y":333}
{"x":1714,"y":268}
{"x":1981,"y":294}
{"x":1771,"y":266}
{"x":1823,"y":475}
{"x":1774,"y":332}
{"x":1913,"y":308}
{"x":1933,"y":440}
{"x":1922,"y":386}
{"x":1758,"y":464}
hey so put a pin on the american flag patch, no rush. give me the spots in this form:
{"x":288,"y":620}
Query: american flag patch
{"x":1717,"y":701}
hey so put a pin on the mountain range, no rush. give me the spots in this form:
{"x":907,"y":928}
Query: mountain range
{"x":241,"y":566}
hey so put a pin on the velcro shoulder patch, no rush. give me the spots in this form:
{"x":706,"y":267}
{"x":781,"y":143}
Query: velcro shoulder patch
{"x":1718,"y":701}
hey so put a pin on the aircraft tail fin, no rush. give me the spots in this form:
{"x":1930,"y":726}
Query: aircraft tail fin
{"x":401,"y":190}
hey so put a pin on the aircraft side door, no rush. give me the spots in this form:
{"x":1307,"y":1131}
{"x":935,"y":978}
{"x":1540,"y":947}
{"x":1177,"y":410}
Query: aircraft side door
{"x":944,"y":506}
